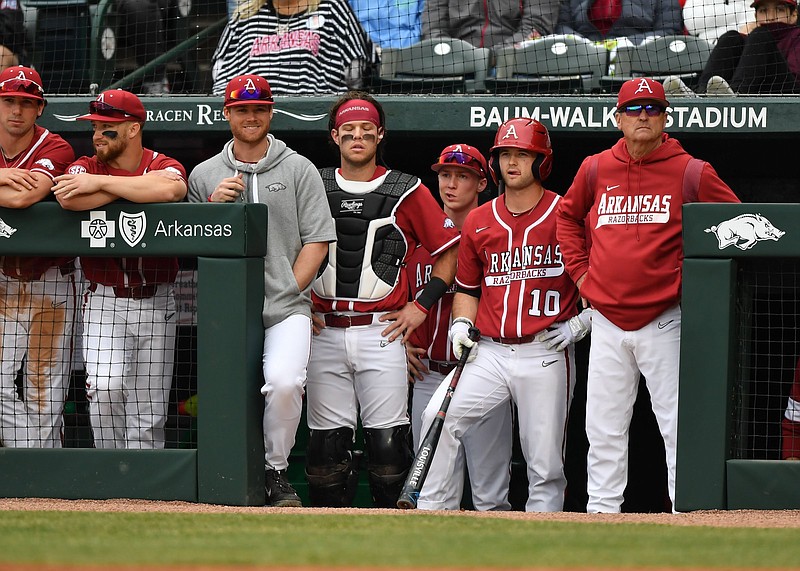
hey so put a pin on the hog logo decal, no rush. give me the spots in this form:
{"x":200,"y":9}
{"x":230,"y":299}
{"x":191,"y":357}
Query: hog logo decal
{"x":744,"y":231}
{"x":5,"y":230}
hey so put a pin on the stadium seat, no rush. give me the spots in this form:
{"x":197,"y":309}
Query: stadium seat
{"x":445,"y":65}
{"x":683,"y":56}
{"x":553,"y":64}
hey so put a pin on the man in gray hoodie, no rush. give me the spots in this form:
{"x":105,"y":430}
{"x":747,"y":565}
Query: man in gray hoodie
{"x":256,"y":167}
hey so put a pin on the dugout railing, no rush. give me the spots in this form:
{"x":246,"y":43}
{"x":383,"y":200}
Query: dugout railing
{"x":227,"y":467}
{"x":719,"y":360}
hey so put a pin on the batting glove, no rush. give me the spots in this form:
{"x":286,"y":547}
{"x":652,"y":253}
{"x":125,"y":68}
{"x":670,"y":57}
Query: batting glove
{"x":459,"y":337}
{"x":570,"y":331}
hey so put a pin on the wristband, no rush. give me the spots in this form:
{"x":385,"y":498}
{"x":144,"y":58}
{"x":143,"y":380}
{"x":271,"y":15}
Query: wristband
{"x":466,"y":320}
{"x":418,"y":305}
{"x":433,"y":291}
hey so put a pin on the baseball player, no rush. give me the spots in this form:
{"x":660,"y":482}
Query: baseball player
{"x":256,"y":167}
{"x":462,"y":175}
{"x":790,"y":424}
{"x":37,"y":295}
{"x":513,"y":286}
{"x":129,"y":308}
{"x":632,"y":195}
{"x":358,"y":362}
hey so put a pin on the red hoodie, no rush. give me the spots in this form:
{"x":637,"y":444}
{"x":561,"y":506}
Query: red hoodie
{"x":635,"y":219}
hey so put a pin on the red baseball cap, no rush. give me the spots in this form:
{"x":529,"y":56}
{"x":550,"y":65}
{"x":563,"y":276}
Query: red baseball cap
{"x":248,"y":90}
{"x":464,"y":156}
{"x":641,"y":89}
{"x":115,"y":106}
{"x":20,"y":81}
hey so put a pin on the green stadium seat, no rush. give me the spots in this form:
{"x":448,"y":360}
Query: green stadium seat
{"x":445,"y":65}
{"x":553,"y":64}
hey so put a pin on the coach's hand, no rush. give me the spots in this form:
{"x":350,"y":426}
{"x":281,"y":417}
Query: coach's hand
{"x":228,"y":190}
{"x":459,"y":337}
{"x":570,"y":331}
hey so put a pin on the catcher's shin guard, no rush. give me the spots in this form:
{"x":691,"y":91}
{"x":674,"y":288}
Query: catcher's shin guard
{"x":389,"y":458}
{"x":330,"y":470}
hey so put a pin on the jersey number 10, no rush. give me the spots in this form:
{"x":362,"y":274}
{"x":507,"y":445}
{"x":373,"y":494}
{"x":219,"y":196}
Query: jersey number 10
{"x":548,"y":306}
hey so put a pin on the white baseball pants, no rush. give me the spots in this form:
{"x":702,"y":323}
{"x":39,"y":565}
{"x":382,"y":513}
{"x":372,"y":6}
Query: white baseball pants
{"x":36,"y":321}
{"x":616,"y":359}
{"x":129,"y":348}
{"x":541,"y":383}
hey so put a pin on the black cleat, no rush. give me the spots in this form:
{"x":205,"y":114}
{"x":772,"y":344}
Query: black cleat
{"x":280,"y":493}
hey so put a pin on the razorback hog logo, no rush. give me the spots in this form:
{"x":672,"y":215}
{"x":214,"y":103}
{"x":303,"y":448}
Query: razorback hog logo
{"x":744,"y":231}
{"x":5,"y":230}
{"x":276,"y":187}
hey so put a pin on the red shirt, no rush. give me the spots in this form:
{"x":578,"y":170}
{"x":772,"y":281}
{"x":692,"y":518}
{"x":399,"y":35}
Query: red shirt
{"x":420,"y":220}
{"x":432,"y":334}
{"x":129,"y":272}
{"x":635,"y":217}
{"x":604,"y":13}
{"x":516,"y":262}
{"x":49,"y":155}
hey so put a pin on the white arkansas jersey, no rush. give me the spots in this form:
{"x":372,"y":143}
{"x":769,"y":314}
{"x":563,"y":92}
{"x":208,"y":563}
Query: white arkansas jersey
{"x":516,"y":262}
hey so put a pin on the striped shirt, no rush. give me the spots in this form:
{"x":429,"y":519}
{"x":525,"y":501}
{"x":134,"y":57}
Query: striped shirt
{"x":306,"y":54}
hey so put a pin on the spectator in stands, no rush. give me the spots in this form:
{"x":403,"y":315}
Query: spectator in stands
{"x":764,"y":61}
{"x":37,"y":294}
{"x":12,"y":33}
{"x":636,"y":20}
{"x":129,"y":311}
{"x":254,"y":166}
{"x":307,"y":47}
{"x":143,"y":32}
{"x":390,"y":23}
{"x":709,"y":19}
{"x":496,"y":24}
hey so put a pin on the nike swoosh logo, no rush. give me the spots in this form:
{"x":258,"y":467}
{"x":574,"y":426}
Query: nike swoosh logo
{"x":58,"y":304}
{"x":385,"y":342}
{"x":169,"y":316}
{"x":611,"y":187}
{"x":481,"y":229}
{"x":548,"y":363}
{"x":663,"y":325}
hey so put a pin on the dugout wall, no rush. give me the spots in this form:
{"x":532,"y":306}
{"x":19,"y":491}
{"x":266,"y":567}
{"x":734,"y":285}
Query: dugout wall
{"x":739,"y":347}
{"x":227,"y":465}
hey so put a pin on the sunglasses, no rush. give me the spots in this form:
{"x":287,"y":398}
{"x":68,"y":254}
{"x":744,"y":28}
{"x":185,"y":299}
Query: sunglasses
{"x":21,"y":86}
{"x":651,"y":109}
{"x":244,"y":94}
{"x":463,"y":159}
{"x":104,"y":109}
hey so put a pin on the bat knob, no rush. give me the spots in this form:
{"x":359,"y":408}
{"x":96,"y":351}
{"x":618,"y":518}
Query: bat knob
{"x":406,"y":503}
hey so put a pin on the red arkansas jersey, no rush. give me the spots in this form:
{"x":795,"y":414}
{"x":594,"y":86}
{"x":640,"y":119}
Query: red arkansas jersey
{"x":516,"y":263}
{"x":129,"y":272}
{"x":48,"y":154}
{"x":420,"y":220}
{"x":432,"y":334}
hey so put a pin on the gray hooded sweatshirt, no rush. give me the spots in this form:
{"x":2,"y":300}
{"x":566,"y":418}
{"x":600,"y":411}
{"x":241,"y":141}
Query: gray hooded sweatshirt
{"x":297,"y":210}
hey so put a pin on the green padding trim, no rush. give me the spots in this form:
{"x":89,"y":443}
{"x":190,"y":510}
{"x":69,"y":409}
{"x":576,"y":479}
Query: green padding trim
{"x":748,"y":230}
{"x":99,"y":474}
{"x":706,"y":372}
{"x":126,"y":229}
{"x":465,"y":114}
{"x":763,"y":485}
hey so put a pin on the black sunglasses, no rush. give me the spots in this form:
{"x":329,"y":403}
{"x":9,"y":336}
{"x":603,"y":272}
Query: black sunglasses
{"x":652,"y":110}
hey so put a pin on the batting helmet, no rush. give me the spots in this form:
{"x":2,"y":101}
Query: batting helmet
{"x":526,"y":134}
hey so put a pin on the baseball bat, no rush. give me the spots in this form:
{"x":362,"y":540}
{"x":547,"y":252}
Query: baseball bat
{"x":422,"y":462}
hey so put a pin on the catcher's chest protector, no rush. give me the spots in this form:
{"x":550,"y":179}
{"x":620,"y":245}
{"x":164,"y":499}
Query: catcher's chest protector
{"x":364,"y":263}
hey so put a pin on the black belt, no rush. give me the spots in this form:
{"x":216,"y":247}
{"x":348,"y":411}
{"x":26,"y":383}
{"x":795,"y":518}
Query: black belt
{"x":441,"y":367}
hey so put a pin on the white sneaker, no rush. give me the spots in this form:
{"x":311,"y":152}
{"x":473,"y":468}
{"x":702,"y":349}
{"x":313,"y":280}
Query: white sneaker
{"x":719,"y":87}
{"x":674,"y":85}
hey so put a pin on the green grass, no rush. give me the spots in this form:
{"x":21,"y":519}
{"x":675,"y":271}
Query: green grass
{"x":411,"y":541}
